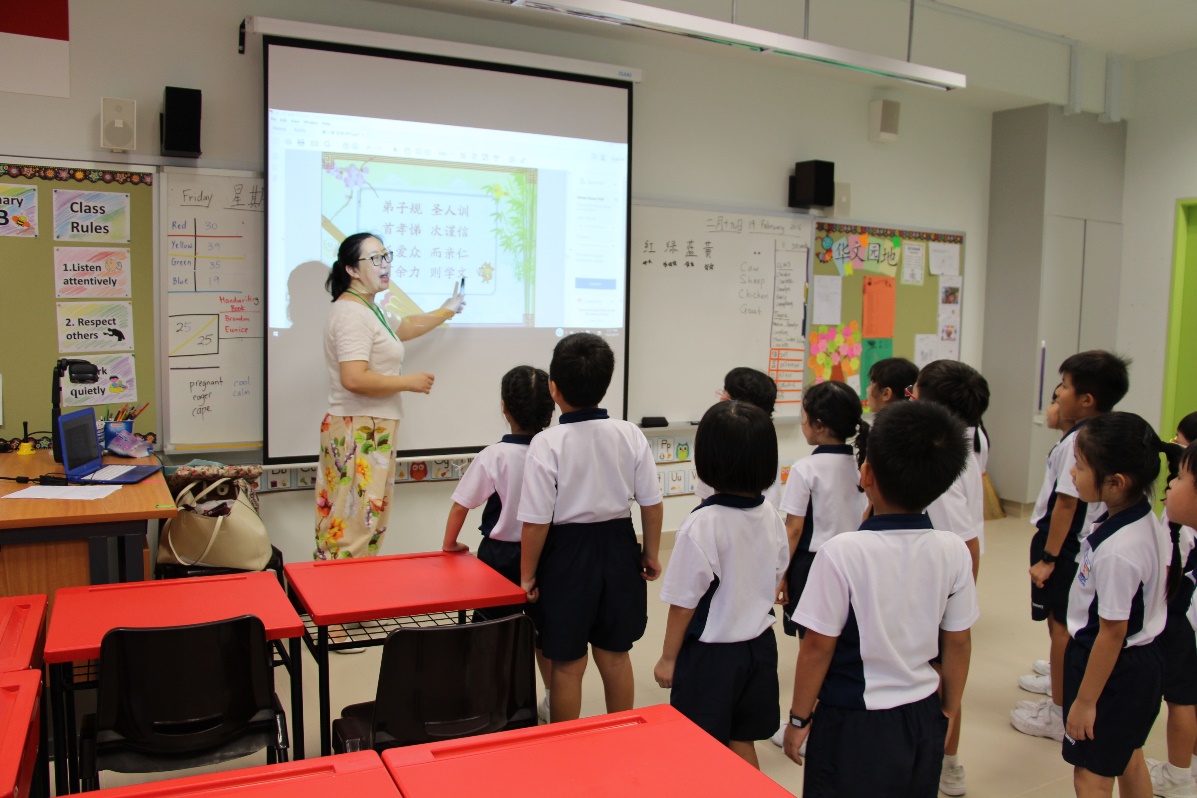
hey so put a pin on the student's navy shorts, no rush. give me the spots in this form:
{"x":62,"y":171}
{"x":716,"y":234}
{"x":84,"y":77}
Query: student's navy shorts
{"x":796,"y":575}
{"x":902,"y":753}
{"x":1126,"y":709}
{"x":591,"y":589}
{"x":1179,"y":646}
{"x":729,"y":689}
{"x":1053,"y":596}
{"x":504,"y":557}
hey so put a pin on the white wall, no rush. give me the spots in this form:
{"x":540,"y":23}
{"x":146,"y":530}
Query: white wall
{"x":710,"y":126}
{"x":1161,"y":167}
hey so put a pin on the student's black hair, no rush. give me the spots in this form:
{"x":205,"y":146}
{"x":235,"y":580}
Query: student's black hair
{"x":348,"y":254}
{"x":735,"y":448}
{"x":1123,"y":443}
{"x":1103,"y":375}
{"x":837,"y":407}
{"x":916,"y":451}
{"x":1186,"y":468}
{"x":960,"y":388}
{"x":895,"y":373}
{"x":752,"y":386}
{"x":1188,"y":427}
{"x":525,"y":394}
{"x":582,"y":366}
{"x":1188,"y":461}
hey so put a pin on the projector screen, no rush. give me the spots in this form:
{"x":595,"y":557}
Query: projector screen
{"x":515,"y":180}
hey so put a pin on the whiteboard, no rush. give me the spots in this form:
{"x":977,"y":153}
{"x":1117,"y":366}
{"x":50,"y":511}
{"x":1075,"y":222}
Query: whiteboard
{"x":210,"y":344}
{"x":712,"y":290}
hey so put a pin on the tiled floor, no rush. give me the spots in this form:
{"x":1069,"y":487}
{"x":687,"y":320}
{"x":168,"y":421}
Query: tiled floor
{"x":1000,"y":762}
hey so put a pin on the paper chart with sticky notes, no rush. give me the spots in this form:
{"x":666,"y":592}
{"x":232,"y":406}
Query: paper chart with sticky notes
{"x":878,"y":321}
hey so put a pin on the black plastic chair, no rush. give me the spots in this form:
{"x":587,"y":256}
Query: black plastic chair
{"x":443,"y":682}
{"x":182,"y":696}
{"x":179,"y":571}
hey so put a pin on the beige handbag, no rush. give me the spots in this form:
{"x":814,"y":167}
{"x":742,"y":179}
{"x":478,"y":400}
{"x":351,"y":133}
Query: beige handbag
{"x":237,"y":539}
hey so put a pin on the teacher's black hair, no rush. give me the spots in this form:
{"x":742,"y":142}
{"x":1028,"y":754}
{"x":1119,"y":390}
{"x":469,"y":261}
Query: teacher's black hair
{"x":525,"y":394}
{"x":960,"y":388}
{"x":836,"y":407}
{"x":348,"y":254}
{"x":916,"y":451}
{"x":735,"y":448}
{"x":581,"y":369}
{"x":752,"y":386}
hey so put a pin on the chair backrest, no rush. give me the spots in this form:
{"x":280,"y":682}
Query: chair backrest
{"x":442,"y":682}
{"x":182,"y":689}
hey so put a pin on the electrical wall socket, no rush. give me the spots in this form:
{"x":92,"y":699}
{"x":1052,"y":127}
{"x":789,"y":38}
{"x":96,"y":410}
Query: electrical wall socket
{"x":843,"y":201}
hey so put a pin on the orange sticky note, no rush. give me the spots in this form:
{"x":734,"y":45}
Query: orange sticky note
{"x":878,"y":311}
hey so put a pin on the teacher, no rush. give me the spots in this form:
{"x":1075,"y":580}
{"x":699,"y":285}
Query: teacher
{"x":365,"y":399}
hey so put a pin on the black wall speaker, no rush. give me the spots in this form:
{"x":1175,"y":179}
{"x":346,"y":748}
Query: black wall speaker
{"x":180,"y":122}
{"x":813,"y":184}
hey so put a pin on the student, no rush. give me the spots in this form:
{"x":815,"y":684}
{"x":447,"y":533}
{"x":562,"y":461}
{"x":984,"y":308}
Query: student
{"x":889,"y":380}
{"x":880,"y":603}
{"x":494,"y":478}
{"x":720,"y":653}
{"x":1092,"y":383}
{"x":1173,"y":777}
{"x":1113,"y":667}
{"x":743,"y":384}
{"x":822,"y":495}
{"x":580,"y":558}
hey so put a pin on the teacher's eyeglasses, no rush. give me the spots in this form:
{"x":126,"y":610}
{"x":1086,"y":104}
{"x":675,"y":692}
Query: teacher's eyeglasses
{"x":378,"y":260}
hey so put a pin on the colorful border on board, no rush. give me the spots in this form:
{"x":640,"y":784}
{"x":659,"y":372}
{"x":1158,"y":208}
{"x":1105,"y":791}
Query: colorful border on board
{"x":77,"y":175}
{"x":889,"y":232}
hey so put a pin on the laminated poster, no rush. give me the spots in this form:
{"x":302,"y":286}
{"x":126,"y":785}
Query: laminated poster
{"x":117,"y":385}
{"x":100,"y":216}
{"x":85,"y":272}
{"x":18,"y":210}
{"x":95,"y":326}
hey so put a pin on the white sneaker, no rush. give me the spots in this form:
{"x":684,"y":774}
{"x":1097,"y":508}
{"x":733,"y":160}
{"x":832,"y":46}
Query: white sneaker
{"x":1036,"y":683}
{"x":951,"y":780}
{"x":542,"y":709}
{"x":1164,"y":785}
{"x":1044,"y":720}
{"x":779,"y":739}
{"x":1042,"y":667}
{"x":1033,"y":703}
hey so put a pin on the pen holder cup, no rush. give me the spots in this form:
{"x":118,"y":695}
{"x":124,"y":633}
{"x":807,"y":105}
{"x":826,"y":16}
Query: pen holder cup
{"x":114,"y":428}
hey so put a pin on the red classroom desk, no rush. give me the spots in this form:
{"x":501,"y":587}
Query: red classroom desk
{"x":20,"y":722}
{"x":22,"y":623}
{"x":360,"y":775}
{"x":654,"y":752}
{"x":373,"y":588}
{"x":83,"y":615}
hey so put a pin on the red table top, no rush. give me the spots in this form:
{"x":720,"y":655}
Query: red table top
{"x":368,"y":588}
{"x":653,"y":752}
{"x":360,"y":775}
{"x":83,"y":615}
{"x":19,"y":693}
{"x":21,"y":619}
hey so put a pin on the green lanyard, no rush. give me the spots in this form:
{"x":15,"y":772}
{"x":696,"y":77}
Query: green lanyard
{"x":377,"y":312}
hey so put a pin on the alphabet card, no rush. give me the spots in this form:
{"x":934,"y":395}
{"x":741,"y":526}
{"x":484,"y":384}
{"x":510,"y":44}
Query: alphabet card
{"x":18,"y":210}
{"x":676,"y":483}
{"x":91,"y":216}
{"x":665,"y":450}
{"x":95,"y":326}
{"x":91,"y":272}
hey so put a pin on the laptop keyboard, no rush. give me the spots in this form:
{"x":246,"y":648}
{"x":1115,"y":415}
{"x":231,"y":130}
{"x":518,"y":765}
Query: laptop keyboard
{"x":108,"y":472}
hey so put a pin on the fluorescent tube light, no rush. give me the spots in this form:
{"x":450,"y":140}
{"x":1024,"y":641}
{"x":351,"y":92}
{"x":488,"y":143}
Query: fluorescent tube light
{"x":636,"y":15}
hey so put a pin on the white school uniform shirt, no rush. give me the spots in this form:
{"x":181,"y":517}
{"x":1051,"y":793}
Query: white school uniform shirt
{"x":353,"y":332}
{"x":494,"y":478}
{"x":1122,"y":575}
{"x":886,"y":591}
{"x":589,"y":468}
{"x":730,"y":554}
{"x":1057,"y":479}
{"x":961,"y":508}
{"x":824,"y":488}
{"x":772,"y":494}
{"x":1186,"y":543}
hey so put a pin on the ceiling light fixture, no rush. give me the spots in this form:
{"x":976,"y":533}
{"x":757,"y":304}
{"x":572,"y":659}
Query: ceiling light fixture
{"x":636,"y":15}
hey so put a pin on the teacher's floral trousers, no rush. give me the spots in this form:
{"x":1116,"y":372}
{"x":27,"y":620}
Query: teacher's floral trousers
{"x":354,"y":484}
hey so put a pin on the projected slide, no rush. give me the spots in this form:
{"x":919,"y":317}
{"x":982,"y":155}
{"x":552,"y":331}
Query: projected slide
{"x":443,"y":221}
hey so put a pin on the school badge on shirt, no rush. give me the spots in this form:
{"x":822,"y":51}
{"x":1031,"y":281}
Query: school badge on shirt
{"x":1082,"y":574}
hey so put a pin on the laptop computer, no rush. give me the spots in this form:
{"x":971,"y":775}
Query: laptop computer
{"x":81,"y":455}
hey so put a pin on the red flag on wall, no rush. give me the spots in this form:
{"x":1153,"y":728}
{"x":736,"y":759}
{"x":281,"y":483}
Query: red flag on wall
{"x":37,"y":37}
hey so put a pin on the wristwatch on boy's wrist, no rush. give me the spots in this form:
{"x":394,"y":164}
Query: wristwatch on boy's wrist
{"x":1049,"y":558}
{"x":801,"y":723}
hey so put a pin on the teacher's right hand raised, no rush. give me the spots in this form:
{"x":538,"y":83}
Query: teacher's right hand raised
{"x":419,"y":382}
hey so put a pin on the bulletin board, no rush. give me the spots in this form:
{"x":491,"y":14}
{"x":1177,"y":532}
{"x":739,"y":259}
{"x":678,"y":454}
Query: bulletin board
{"x":879,"y":292}
{"x":77,"y":244}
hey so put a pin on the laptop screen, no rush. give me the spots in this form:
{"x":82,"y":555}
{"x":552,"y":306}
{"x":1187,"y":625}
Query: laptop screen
{"x":80,"y":446}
